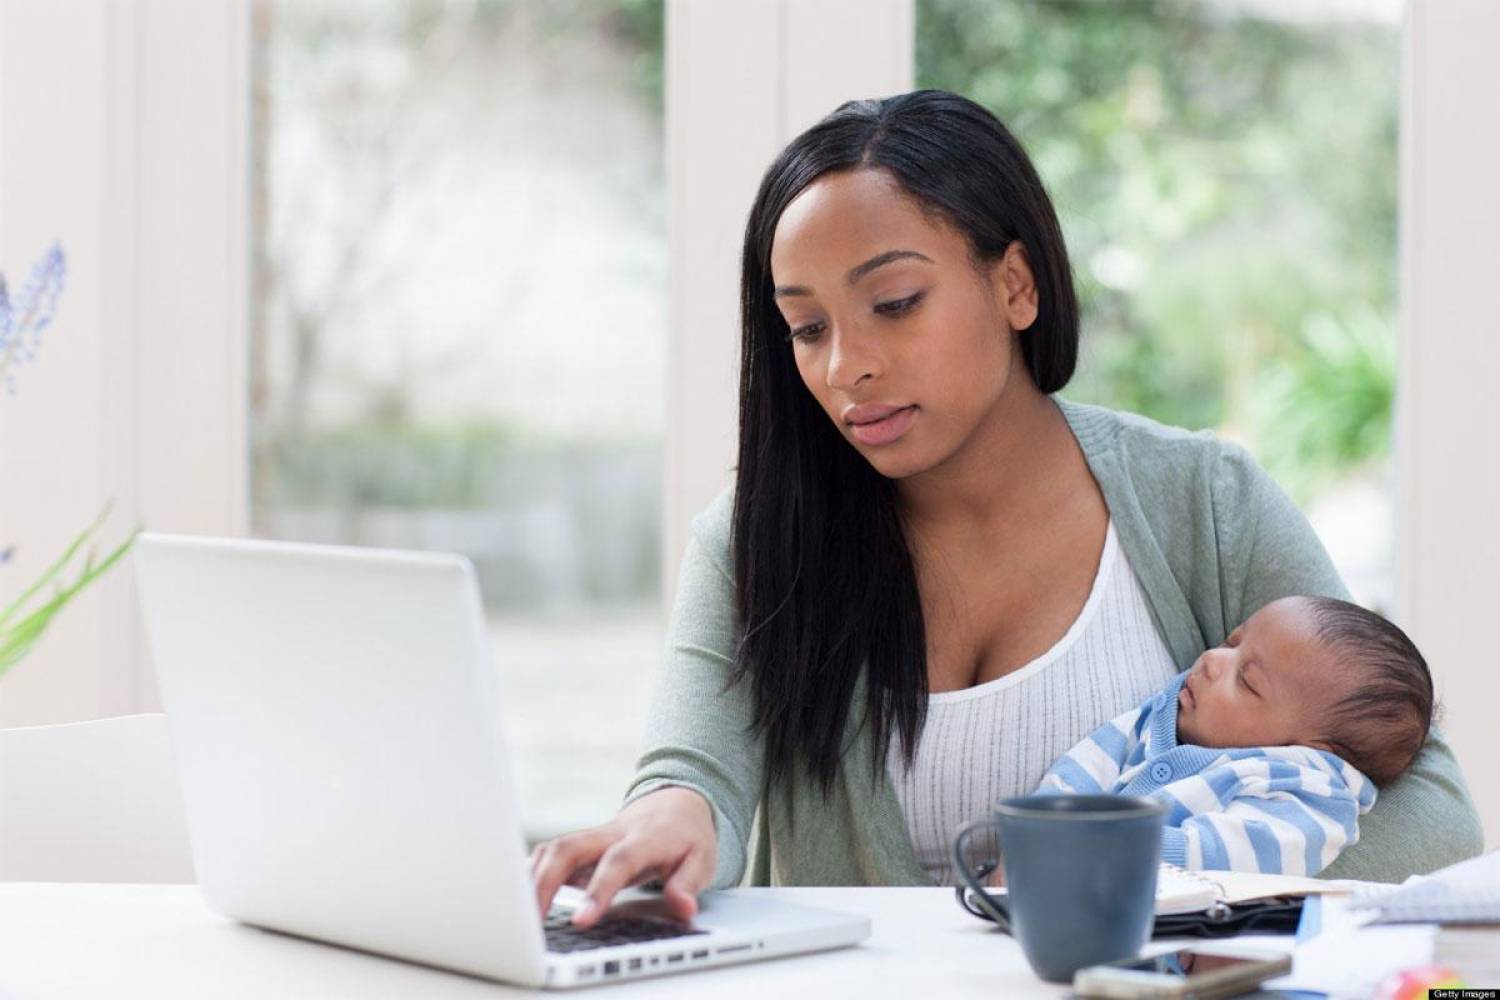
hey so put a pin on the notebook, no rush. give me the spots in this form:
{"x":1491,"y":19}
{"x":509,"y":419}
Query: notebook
{"x":1465,"y":893}
{"x":1181,"y":891}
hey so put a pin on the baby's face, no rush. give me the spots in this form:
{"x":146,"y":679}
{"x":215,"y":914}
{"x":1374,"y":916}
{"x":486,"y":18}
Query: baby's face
{"x":1266,"y":686}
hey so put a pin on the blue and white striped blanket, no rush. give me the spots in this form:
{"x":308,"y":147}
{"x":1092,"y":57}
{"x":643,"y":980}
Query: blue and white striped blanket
{"x":1287,"y":810}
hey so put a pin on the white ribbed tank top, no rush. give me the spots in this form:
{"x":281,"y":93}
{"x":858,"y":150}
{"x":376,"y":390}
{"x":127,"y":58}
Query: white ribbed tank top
{"x":993,"y":740}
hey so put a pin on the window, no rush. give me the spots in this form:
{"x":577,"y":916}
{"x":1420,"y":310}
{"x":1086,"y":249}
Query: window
{"x":458,"y":335}
{"x":1225,"y":173}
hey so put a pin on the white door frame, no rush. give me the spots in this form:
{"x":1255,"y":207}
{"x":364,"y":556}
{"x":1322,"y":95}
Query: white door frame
{"x":1448,"y":485}
{"x":742,"y":80}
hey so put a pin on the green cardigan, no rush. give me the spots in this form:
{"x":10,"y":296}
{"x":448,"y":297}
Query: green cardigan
{"x":1211,"y":537}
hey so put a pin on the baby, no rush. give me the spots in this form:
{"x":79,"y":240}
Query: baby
{"x":1269,"y":749}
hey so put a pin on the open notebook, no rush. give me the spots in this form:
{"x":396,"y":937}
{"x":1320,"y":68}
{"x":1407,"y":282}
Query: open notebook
{"x":1181,"y":891}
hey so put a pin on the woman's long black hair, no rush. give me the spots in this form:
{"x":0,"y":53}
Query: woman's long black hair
{"x":825,"y":579}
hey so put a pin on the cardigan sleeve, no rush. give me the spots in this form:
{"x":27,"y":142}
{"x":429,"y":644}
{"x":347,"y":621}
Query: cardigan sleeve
{"x":698,"y":732}
{"x":1267,"y":550}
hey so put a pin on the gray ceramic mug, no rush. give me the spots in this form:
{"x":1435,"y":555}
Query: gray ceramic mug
{"x":1080,"y":876}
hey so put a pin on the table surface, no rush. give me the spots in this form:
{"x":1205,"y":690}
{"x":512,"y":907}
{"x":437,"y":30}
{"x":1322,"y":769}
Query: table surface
{"x":89,"y":940}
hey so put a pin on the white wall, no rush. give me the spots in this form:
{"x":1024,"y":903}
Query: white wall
{"x":1448,"y":537}
{"x":742,"y":80}
{"x":122,"y":136}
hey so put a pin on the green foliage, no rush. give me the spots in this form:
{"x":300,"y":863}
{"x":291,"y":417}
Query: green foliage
{"x":20,"y":628}
{"x":392,"y":464}
{"x":1221,"y":181}
{"x":642,"y":23}
{"x":1327,"y":406}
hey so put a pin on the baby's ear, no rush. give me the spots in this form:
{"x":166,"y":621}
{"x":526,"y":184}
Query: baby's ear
{"x":1323,"y":745}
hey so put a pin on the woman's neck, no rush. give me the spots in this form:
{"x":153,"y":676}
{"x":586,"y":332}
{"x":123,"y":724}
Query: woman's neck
{"x":1015,"y":458}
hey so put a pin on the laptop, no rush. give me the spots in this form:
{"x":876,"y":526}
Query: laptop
{"x":334,"y":719}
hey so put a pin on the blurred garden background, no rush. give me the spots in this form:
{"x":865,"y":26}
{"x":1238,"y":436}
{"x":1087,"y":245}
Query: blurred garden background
{"x":1225,"y":174}
{"x":459,"y":330}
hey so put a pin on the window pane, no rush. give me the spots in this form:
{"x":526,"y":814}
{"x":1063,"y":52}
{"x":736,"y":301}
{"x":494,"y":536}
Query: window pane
{"x":1225,"y":173}
{"x":459,"y":335}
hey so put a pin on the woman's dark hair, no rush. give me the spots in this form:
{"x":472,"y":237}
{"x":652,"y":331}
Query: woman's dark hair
{"x":825,"y":579}
{"x":1380,"y":725}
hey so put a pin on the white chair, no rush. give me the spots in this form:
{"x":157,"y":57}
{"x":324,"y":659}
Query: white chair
{"x":95,"y":801}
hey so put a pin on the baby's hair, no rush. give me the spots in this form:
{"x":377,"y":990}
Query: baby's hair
{"x":1380,"y":725}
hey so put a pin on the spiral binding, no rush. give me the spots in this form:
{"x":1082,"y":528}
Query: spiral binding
{"x":1219,"y":909}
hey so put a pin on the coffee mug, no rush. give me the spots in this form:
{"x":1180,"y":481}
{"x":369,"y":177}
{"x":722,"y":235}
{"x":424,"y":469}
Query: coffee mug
{"x":1080,"y":876}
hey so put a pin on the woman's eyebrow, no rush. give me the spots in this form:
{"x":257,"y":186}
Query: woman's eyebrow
{"x":858,"y":271}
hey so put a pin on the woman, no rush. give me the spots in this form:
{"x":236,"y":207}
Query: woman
{"x":932,"y":576}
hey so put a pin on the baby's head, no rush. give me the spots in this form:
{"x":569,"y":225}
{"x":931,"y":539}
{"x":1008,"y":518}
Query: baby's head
{"x":1318,"y":672}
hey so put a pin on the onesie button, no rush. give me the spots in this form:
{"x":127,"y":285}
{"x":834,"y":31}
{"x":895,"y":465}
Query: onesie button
{"x":1161,"y":772}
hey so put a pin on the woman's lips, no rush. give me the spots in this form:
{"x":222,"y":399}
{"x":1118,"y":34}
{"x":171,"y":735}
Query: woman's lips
{"x":885,"y":430}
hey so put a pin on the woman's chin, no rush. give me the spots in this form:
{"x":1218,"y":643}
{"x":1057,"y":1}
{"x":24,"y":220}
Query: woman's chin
{"x":893,"y":466}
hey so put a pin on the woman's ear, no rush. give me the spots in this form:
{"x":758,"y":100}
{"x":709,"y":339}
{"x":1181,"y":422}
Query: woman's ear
{"x":1015,"y":287}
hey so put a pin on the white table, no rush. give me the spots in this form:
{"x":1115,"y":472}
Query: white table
{"x":161,"y":941}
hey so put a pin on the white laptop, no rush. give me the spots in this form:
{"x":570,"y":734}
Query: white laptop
{"x":334,"y":718}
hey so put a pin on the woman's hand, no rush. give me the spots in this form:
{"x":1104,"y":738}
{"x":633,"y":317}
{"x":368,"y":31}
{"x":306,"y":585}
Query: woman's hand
{"x":667,"y":834}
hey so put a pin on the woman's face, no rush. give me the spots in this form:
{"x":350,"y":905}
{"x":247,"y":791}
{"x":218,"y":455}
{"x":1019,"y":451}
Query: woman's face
{"x":902,"y":342}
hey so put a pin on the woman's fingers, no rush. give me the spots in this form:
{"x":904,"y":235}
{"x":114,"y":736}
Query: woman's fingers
{"x":626,"y":862}
{"x":691,"y":878}
{"x":667,"y":834}
{"x":556,"y":861}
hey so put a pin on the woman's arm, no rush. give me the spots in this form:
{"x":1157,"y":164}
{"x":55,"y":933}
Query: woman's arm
{"x":699,"y":732}
{"x":1267,"y":550}
{"x":686,"y":816}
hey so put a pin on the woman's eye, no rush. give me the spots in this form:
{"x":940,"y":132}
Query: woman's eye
{"x":808,"y":333}
{"x":899,"y":306}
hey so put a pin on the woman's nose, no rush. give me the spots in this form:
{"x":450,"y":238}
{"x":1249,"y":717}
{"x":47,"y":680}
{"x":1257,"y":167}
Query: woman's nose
{"x":849,"y":360}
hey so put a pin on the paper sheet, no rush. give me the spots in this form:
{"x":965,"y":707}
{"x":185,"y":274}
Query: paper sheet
{"x":1348,"y":959}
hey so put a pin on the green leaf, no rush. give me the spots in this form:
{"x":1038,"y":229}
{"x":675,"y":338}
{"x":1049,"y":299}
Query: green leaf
{"x":56,"y":567}
{"x":18,"y":638}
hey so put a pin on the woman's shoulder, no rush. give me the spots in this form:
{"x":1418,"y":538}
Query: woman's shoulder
{"x":1101,"y":428}
{"x":1176,"y":461}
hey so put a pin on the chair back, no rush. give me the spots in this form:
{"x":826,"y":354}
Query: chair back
{"x":95,"y":801}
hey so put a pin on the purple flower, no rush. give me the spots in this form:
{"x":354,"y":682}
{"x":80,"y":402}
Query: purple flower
{"x":23,"y":320}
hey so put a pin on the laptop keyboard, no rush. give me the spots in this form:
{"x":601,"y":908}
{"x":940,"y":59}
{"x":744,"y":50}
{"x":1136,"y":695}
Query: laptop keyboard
{"x":562,"y":936}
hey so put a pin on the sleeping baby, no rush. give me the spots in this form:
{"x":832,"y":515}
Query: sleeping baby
{"x":1269,"y":749}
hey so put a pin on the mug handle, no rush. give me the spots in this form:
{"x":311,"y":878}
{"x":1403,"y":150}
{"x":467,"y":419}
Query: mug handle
{"x":973,"y":879}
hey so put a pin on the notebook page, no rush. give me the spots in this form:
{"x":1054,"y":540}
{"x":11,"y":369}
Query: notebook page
{"x":1240,"y":887}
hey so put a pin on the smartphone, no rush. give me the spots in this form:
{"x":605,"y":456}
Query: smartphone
{"x":1189,"y":974}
